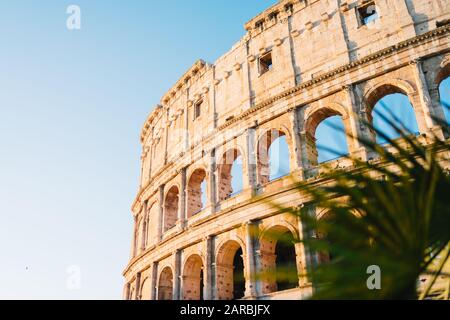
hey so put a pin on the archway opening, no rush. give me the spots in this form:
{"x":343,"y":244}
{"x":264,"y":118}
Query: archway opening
{"x":331,"y":139}
{"x":273,"y":156}
{"x":193,"y":278}
{"x":171,"y":208}
{"x":279,"y":260}
{"x":444,"y":95}
{"x":165,"y":286}
{"x":230,"y":175}
{"x":286,"y":262}
{"x":196,"y":192}
{"x":230,"y":280}
{"x":390,"y":104}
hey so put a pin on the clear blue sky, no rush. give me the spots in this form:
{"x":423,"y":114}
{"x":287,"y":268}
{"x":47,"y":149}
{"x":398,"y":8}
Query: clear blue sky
{"x":72,"y":104}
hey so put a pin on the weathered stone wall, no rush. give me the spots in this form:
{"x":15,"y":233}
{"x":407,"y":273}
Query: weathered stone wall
{"x":325,"y":62}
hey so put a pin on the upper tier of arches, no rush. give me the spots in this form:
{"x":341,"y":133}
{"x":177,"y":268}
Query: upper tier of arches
{"x":252,"y":159}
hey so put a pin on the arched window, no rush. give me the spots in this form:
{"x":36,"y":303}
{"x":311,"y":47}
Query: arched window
{"x":193,"y":278}
{"x":230,"y":174}
{"x":395,"y":108}
{"x":165,"y":285}
{"x":278,"y":259}
{"x":326,"y":135}
{"x":391,"y":103}
{"x":331,"y":139}
{"x":444,"y":94}
{"x":196,"y":192}
{"x":273,"y":156}
{"x":230,"y":272}
{"x":171,"y":208}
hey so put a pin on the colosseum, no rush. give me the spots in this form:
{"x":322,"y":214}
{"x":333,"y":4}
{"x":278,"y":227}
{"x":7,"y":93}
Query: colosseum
{"x":199,"y":233}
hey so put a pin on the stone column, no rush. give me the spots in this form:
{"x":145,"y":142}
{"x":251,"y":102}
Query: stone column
{"x":177,"y":287}
{"x":288,"y":21}
{"x":251,"y":230}
{"x":425,"y":120}
{"x":138,"y":286}
{"x":246,"y":69}
{"x":208,"y":269}
{"x":308,"y":154}
{"x":186,"y":120}
{"x":182,"y":209}
{"x":161,"y":213}
{"x":297,"y":164}
{"x":143,"y":245}
{"x":302,"y":254}
{"x":251,"y":165}
{"x":212,"y":182}
{"x":354,"y":125}
{"x":154,"y":284}
{"x":268,"y":266}
{"x":310,"y":259}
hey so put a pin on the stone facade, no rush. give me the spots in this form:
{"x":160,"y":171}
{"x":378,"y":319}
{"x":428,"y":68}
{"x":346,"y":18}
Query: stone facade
{"x":300,"y":62}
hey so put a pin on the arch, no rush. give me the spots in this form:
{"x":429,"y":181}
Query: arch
{"x":278,"y":258}
{"x":171,"y":204}
{"x":146,"y":289}
{"x":230,"y":271}
{"x":384,"y":88}
{"x":273,"y":158}
{"x":196,"y":192}
{"x":314,"y":116}
{"x":230,"y":172}
{"x":322,"y":136}
{"x":390,"y":92}
{"x":165,"y":284}
{"x":193,"y":278}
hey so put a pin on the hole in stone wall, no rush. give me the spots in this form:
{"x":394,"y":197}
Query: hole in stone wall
{"x":265,"y":63}
{"x":198,"y":109}
{"x":367,"y":13}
